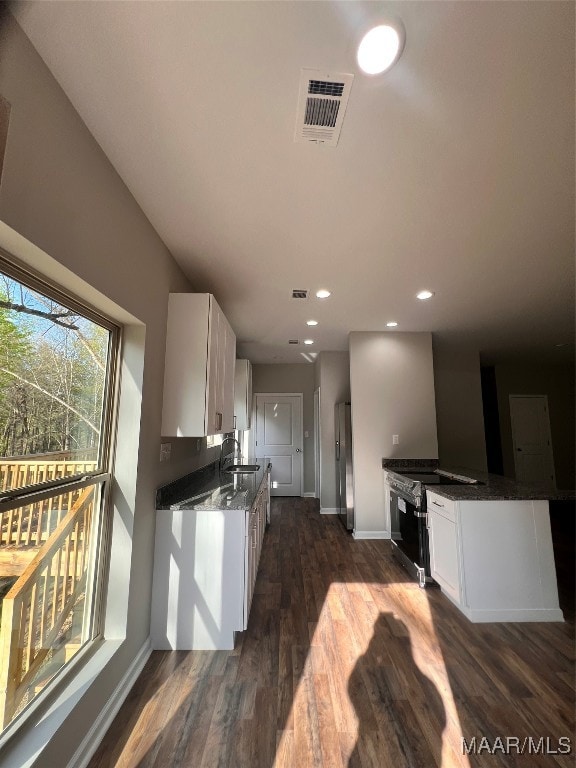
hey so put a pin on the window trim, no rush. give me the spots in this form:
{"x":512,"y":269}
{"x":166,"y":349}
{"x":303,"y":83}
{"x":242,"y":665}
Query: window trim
{"x":103,"y":476}
{"x":11,"y":267}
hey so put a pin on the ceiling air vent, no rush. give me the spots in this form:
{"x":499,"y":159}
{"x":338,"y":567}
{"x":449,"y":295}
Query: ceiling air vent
{"x":321,"y":106}
{"x":293,"y":341}
{"x":300,"y":293}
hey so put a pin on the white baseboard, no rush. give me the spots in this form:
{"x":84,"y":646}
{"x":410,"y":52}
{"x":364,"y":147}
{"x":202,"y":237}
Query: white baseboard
{"x":309,"y":495}
{"x":91,"y":741}
{"x":513,"y":614}
{"x":371,"y":534}
{"x":328,"y":511}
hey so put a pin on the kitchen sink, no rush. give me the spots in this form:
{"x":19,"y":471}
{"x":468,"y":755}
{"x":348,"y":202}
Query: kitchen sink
{"x":242,"y":469}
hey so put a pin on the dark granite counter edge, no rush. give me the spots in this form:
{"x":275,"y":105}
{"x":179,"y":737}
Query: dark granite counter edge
{"x":493,"y":488}
{"x":205,"y":479}
{"x":497,"y":488}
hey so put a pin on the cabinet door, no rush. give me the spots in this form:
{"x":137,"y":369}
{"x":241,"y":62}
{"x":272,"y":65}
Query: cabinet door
{"x":227,"y":367}
{"x":213,"y":376}
{"x":444,"y":564}
{"x":242,"y":394}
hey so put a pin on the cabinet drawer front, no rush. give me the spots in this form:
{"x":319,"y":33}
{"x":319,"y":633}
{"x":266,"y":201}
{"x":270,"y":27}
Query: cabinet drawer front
{"x":442,"y":506}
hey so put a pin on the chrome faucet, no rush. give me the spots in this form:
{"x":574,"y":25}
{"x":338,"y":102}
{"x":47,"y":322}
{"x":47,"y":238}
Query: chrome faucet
{"x":222,"y":449}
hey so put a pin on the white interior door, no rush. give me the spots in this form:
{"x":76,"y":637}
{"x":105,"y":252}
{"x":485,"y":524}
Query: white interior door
{"x":279,"y":440}
{"x":531,"y":440}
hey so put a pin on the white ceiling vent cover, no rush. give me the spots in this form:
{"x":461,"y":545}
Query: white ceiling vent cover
{"x":321,"y":106}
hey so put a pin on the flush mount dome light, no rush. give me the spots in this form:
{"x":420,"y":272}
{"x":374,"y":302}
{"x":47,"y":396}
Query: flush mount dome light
{"x":391,"y":325}
{"x":322,"y":293}
{"x":423,"y":295}
{"x":311,"y":322}
{"x":380,"y":48}
{"x":308,"y":341}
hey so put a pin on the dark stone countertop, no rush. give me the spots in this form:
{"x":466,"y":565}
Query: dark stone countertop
{"x":212,"y":489}
{"x":489,"y":488}
{"x":497,"y":487}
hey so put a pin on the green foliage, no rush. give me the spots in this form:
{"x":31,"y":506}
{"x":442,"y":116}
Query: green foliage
{"x":52,"y":377}
{"x":14,"y":341}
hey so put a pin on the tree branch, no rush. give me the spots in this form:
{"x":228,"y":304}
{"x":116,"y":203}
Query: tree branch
{"x":54,"y":317}
{"x":54,"y":397}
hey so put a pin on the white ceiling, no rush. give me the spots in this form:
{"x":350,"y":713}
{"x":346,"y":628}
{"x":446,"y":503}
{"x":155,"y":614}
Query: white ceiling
{"x":454,"y":171}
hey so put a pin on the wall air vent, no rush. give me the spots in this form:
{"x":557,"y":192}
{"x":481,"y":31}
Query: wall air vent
{"x":300,"y":293}
{"x":321,"y":106}
{"x":293,"y":341}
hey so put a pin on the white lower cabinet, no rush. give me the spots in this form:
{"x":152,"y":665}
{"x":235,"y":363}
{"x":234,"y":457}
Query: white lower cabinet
{"x":205,"y":567}
{"x":444,"y":564}
{"x":255,"y":527}
{"x":494,"y":559}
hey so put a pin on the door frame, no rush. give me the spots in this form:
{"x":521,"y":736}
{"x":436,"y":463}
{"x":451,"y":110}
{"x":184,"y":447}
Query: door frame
{"x":254,"y":431}
{"x":550,"y":446}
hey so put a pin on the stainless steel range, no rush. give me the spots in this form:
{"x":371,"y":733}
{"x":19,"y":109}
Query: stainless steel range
{"x":408,"y":516}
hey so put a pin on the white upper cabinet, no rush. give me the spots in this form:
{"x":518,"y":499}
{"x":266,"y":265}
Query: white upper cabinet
{"x":243,"y":394}
{"x":199,"y":368}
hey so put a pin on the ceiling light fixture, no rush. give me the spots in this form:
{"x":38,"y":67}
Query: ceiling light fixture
{"x":311,"y":322}
{"x":308,"y":341}
{"x":322,"y":293}
{"x":391,"y":325}
{"x":423,"y":295}
{"x":380,"y":48}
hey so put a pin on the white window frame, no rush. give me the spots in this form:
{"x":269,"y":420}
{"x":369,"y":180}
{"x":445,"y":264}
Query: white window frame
{"x":25,"y":740}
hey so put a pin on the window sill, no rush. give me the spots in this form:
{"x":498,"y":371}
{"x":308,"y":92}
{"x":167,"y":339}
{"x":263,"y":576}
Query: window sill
{"x":24,"y":740}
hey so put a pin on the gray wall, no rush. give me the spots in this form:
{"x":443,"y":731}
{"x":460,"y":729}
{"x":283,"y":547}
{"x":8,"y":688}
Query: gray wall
{"x":292,"y":377}
{"x":461,"y":441}
{"x":392,"y":388}
{"x":557,"y":382}
{"x":60,"y":192}
{"x":333,"y":379}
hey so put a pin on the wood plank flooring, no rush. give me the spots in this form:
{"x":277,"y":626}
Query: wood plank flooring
{"x":347,"y":664}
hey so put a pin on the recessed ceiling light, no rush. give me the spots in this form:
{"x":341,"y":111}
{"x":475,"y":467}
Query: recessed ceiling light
{"x":308,"y":341}
{"x":311,"y":322}
{"x":322,"y":293}
{"x":380,"y":48}
{"x":423,"y":295}
{"x":391,"y":325}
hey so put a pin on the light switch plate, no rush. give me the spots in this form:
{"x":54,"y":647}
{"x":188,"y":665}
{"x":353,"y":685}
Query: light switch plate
{"x":165,"y":450}
{"x":394,"y":439}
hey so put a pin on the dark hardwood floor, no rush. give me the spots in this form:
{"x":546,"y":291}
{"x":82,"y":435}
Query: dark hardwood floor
{"x":346,"y":663}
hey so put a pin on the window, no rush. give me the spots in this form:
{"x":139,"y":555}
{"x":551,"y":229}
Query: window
{"x":57,"y":386}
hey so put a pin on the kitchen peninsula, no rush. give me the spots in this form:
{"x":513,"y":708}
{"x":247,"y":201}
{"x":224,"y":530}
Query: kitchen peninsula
{"x":209,"y":530}
{"x":490,"y":546}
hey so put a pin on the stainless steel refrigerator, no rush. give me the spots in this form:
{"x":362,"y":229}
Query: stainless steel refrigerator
{"x":344,"y":475}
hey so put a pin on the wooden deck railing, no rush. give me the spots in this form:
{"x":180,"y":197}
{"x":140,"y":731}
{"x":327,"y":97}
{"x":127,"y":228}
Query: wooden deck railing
{"x":25,"y":529}
{"x":44,"y":604}
{"x":19,"y":472}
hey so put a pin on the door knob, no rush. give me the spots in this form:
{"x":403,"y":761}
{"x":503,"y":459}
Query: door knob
{"x":298,"y":450}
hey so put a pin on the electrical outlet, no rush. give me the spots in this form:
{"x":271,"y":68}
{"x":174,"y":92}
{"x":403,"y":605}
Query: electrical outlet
{"x":395,"y":440}
{"x":165,"y":450}
{"x":198,"y":445}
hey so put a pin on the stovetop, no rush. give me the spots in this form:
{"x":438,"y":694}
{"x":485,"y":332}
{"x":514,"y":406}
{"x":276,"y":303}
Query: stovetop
{"x":433,"y":478}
